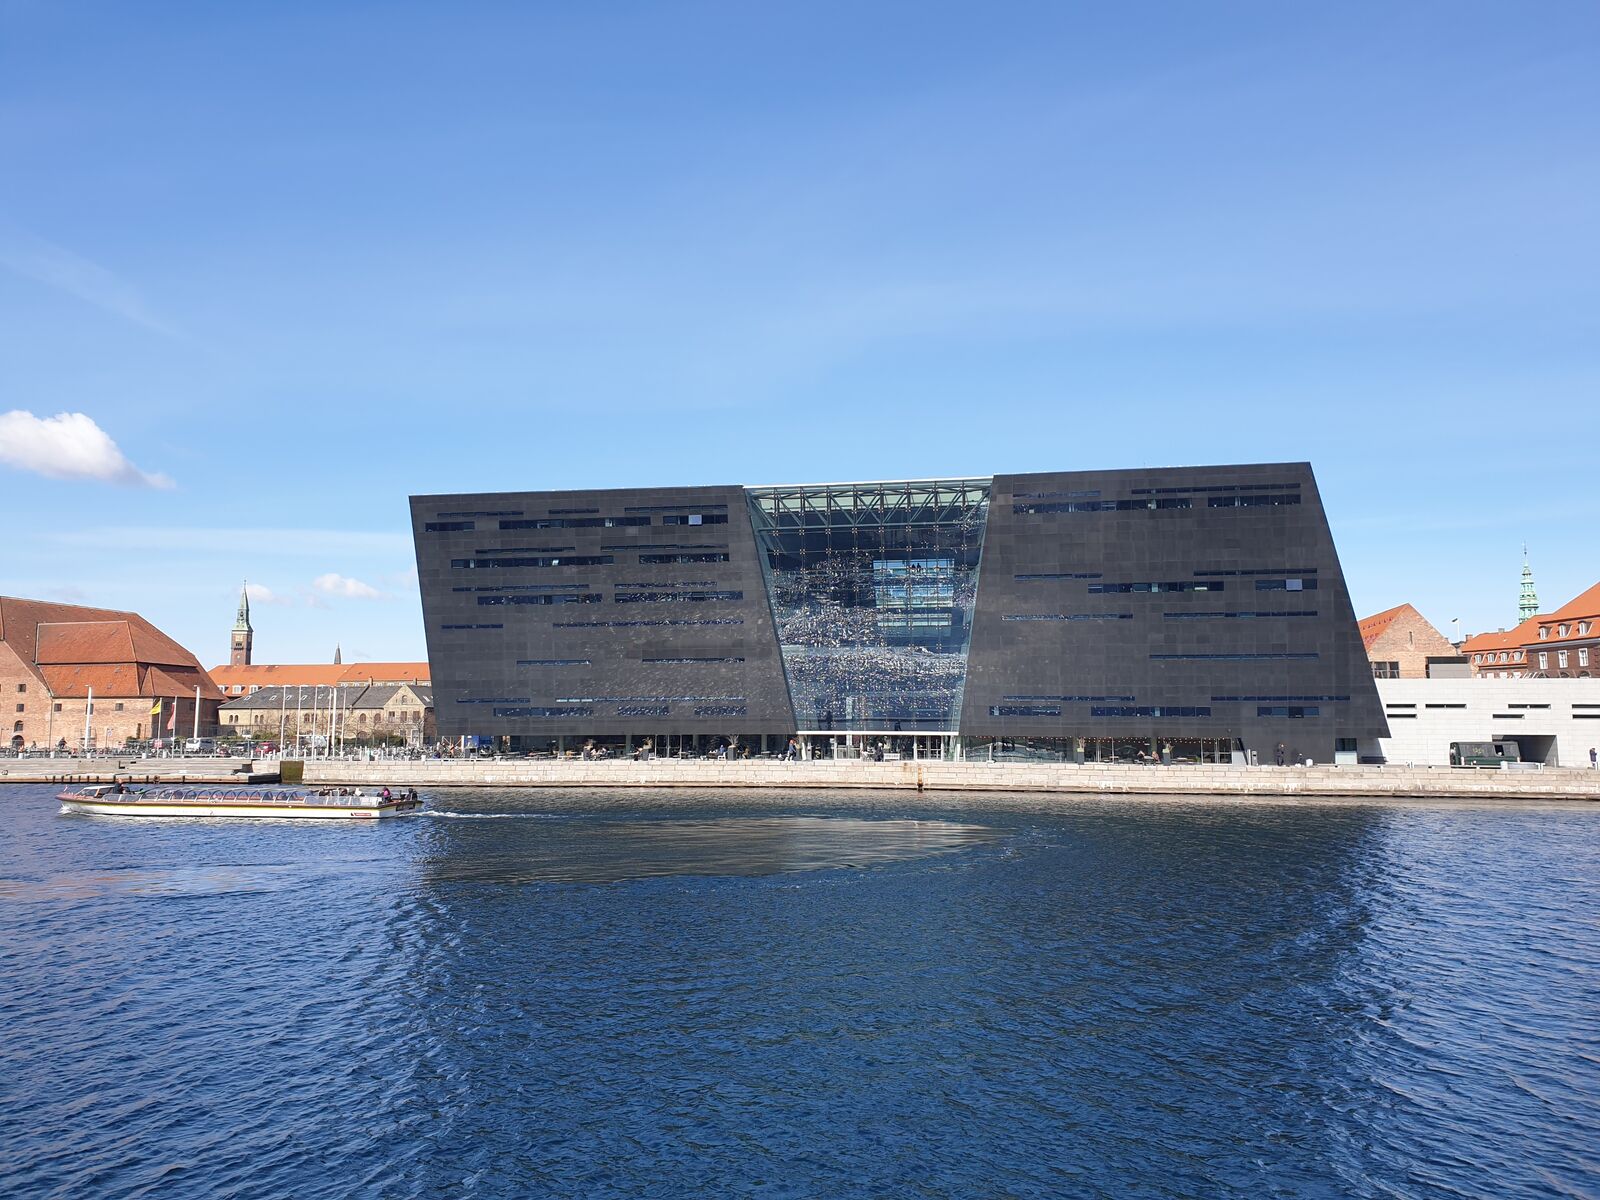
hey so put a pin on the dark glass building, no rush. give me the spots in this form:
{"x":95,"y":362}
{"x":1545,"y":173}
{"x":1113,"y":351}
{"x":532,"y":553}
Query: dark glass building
{"x":1196,"y":613}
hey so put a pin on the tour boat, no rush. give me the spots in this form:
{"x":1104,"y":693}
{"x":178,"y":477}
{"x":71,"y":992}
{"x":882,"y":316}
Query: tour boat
{"x":113,"y":800}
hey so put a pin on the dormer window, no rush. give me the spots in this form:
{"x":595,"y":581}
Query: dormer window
{"x":1544,"y":632}
{"x":1562,"y":631}
{"x":1583,"y":627}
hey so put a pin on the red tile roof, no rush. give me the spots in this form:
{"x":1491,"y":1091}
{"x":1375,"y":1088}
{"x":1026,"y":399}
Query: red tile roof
{"x":1583,"y":607}
{"x":1504,"y":639}
{"x":319,"y":674}
{"x":72,"y":648}
{"x":1372,"y":627}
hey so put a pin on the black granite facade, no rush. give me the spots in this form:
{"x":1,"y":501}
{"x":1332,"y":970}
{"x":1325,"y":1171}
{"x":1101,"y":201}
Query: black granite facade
{"x":1188,"y":611}
{"x":1184,"y":605}
{"x":564,"y":614}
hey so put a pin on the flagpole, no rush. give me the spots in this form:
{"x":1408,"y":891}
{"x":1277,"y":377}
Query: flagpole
{"x":197,"y":712}
{"x":88,"y":715}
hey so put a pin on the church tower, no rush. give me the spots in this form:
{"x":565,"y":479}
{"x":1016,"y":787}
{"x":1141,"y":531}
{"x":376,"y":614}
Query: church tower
{"x":243,"y":637}
{"x":1528,"y":604}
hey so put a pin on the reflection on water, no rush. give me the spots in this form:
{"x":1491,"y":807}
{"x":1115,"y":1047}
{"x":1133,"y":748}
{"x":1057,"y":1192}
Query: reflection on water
{"x":608,"y":851}
{"x":632,"y":994}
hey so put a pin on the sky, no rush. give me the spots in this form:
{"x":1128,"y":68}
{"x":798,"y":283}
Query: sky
{"x":266,"y":270}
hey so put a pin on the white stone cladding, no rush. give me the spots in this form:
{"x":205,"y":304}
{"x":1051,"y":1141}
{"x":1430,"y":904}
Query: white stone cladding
{"x":1554,"y":720}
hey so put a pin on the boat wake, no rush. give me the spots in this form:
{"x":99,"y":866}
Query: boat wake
{"x":461,"y":816}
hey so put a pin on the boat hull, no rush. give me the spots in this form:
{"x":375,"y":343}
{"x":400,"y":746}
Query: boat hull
{"x":331,"y":809}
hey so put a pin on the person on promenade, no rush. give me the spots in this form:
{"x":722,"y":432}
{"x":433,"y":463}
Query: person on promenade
{"x":1280,"y":754}
{"x":1592,"y":758}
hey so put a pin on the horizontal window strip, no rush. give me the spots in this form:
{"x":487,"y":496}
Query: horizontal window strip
{"x":1083,"y":699}
{"x":572,"y":560}
{"x":662,"y":559}
{"x":553,"y":662}
{"x":523,"y":587}
{"x":472,"y":627}
{"x":1099,"y":506}
{"x":544,"y":712}
{"x":574,"y":522}
{"x":1150,"y":710}
{"x":1067,"y":617}
{"x":676,"y":661}
{"x":1235,"y":657}
{"x":651,"y":508}
{"x":1264,"y":571}
{"x":505,"y":512}
{"x":545,"y":598}
{"x":665,"y":546}
{"x":1286,"y":585}
{"x":1273,"y":699}
{"x":565,"y":512}
{"x":1175,"y":585}
{"x":650,"y":699}
{"x":696,"y":519}
{"x":495,"y":700}
{"x":1023,"y":710}
{"x":722,"y":710}
{"x":642,"y":710}
{"x":640,"y":624}
{"x":1057,"y":575}
{"x":675,"y":597}
{"x":1293,"y":711}
{"x":1273,"y":501}
{"x":1239,"y":616}
{"x":1085,"y":494}
{"x":448,"y":526}
{"x":1216,"y":487}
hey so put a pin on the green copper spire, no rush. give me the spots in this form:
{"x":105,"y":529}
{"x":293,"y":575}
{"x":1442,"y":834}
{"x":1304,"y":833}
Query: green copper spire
{"x":242,"y":621}
{"x":1528,"y":606}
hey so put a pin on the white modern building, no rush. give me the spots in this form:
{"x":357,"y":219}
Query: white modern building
{"x":1552,"y":721}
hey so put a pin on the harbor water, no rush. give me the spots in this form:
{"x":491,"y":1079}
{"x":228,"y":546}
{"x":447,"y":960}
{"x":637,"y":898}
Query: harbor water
{"x":803,"y":995}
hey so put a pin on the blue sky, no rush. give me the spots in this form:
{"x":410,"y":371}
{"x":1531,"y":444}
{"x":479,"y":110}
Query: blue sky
{"x":300,"y":261}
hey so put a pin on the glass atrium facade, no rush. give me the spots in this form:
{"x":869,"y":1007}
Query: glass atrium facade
{"x":873,"y":587}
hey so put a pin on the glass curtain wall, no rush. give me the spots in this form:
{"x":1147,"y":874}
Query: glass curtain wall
{"x":872,"y":588}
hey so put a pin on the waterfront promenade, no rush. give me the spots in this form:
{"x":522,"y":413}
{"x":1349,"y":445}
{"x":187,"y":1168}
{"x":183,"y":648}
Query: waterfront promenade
{"x":768,"y":775}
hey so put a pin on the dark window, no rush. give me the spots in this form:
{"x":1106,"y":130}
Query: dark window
{"x":1385,"y":670}
{"x":674,"y":597}
{"x":472,"y":627}
{"x":1084,"y":699}
{"x":574,"y":522}
{"x":1088,"y":494}
{"x":573,"y":598}
{"x":676,"y":508}
{"x":1237,"y":616}
{"x":512,"y":512}
{"x":1233,"y":657}
{"x":648,"y":699}
{"x":569,"y":512}
{"x":24,"y":708}
{"x":696,"y":519}
{"x":1067,"y":617}
{"x":448,"y":526}
{"x":1265,"y":571}
{"x":693,"y":660}
{"x":544,"y":712}
{"x":22,"y":687}
{"x":524,"y":587}
{"x":1286,"y":585}
{"x":1217,"y":487}
{"x":1023,"y":710}
{"x":1275,"y":699}
{"x":1179,"y":585}
{"x":640,"y":624}
{"x":571,"y":560}
{"x":1252,"y":501}
{"x":1287,"y":710}
{"x":661,"y":559}
{"x":1093,"y":506}
{"x":1057,"y":575}
{"x":642,"y":710}
{"x":552,"y":662}
{"x":721,"y":710}
{"x":1149,"y":710}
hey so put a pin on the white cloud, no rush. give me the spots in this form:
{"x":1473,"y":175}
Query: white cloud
{"x":260,"y":593}
{"x":342,"y":586}
{"x":68,"y":446}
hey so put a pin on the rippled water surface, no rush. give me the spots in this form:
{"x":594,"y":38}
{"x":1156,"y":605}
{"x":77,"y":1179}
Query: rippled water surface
{"x":530,"y":994}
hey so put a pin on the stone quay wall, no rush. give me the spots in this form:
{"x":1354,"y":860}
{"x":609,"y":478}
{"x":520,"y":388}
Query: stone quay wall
{"x":1069,"y":778}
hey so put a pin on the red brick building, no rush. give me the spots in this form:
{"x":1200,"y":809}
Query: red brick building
{"x":55,"y":657}
{"x":1502,"y":654}
{"x":1566,"y":643}
{"x":1400,"y":641}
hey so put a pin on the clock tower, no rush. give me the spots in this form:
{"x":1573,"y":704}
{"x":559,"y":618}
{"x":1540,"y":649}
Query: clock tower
{"x":243,"y":636}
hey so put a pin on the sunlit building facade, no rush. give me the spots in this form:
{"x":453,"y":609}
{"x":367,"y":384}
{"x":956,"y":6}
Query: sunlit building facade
{"x":1192,"y":614}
